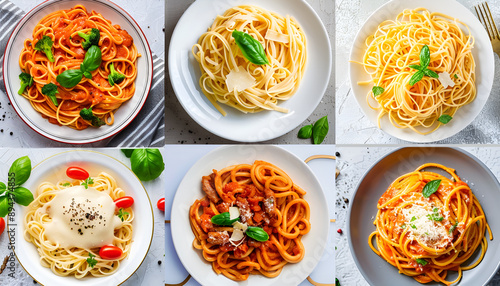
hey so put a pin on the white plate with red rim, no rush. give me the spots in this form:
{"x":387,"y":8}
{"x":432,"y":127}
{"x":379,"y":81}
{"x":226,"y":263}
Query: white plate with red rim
{"x":482,"y":53}
{"x":123,"y":115}
{"x":52,"y":170}
{"x":252,"y":127}
{"x":189,"y":190}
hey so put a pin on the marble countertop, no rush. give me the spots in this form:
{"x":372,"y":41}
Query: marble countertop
{"x":353,"y":127}
{"x":149,"y":273}
{"x":353,"y":162}
{"x":17,"y":134}
{"x":181,"y":129}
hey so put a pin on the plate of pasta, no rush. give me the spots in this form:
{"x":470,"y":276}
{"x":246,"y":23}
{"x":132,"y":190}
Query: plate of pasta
{"x":245,"y":213}
{"x":426,"y":215}
{"x":91,"y":221}
{"x":264,"y":65}
{"x":418,"y":87}
{"x":77,"y":71}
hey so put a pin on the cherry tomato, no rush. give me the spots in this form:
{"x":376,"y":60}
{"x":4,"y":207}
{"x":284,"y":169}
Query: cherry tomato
{"x":77,"y":173}
{"x":110,"y":252}
{"x":2,"y":225}
{"x":161,"y":204}
{"x":124,"y":202}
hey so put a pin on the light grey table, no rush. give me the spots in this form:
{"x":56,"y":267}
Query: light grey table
{"x":149,"y":273}
{"x":150,"y":17}
{"x":353,"y":162}
{"x":353,"y":127}
{"x":181,"y":129}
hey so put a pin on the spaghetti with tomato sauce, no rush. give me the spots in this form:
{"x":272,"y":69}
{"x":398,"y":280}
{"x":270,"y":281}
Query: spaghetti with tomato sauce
{"x":117,"y":48}
{"x":428,"y":224}
{"x":265,"y":200}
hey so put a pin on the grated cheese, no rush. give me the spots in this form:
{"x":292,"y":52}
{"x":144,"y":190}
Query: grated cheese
{"x":420,"y":227}
{"x":239,"y":80}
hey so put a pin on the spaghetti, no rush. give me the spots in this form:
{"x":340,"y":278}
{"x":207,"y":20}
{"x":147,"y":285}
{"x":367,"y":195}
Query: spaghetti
{"x":218,"y":55}
{"x":426,"y":234}
{"x":396,"y":45}
{"x":117,"y":48}
{"x":57,"y":240}
{"x":266,"y":198}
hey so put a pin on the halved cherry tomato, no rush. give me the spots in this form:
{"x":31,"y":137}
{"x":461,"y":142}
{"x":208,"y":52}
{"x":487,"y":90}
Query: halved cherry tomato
{"x":124,"y":202}
{"x":2,"y":225}
{"x":161,"y":204}
{"x":77,"y":173}
{"x":110,"y":252}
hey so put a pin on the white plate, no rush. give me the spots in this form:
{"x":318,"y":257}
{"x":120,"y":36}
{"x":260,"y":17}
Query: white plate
{"x":190,"y":190}
{"x":53,"y":169}
{"x":482,"y":52}
{"x":185,"y":72}
{"x":123,"y":116}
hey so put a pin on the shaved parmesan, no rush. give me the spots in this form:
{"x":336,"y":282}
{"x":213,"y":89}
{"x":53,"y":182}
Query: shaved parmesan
{"x":239,"y":80}
{"x":241,"y":226}
{"x":277,"y":37}
{"x":234,"y":212}
{"x":230,"y":23}
{"x":237,"y":235}
{"x":446,"y":80}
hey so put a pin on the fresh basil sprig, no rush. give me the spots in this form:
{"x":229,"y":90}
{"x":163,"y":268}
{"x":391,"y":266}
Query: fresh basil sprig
{"x":422,"y":70}
{"x":257,"y":233}
{"x":445,"y":118}
{"x":91,"y":261}
{"x":377,"y":90}
{"x":147,"y":163}
{"x":87,"y":182}
{"x":223,"y":219}
{"x":317,"y":131}
{"x":122,"y":213}
{"x":430,"y":188}
{"x":19,"y":173}
{"x":306,"y":132}
{"x":421,"y":261}
{"x":92,"y":60}
{"x":251,"y":49}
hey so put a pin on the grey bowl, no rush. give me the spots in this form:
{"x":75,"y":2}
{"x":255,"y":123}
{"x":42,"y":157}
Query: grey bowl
{"x":363,"y":210}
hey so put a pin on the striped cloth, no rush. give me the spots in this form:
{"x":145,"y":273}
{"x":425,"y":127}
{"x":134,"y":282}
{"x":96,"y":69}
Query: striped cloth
{"x":147,"y":129}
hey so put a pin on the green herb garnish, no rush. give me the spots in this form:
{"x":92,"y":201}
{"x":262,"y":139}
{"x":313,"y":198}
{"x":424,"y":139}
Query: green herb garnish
{"x":435,"y":215}
{"x":257,"y":233}
{"x":122,"y":213}
{"x":422,"y":69}
{"x":306,"y":132}
{"x":147,"y":163}
{"x":320,"y":130}
{"x":87,"y":182}
{"x":422,"y":262}
{"x":19,"y":173}
{"x":66,"y":185}
{"x":251,"y":49}
{"x":377,"y":90}
{"x":445,"y":118}
{"x":455,"y":75}
{"x":223,"y":219}
{"x":453,"y":227}
{"x":91,"y":261}
{"x":92,"y":60}
{"x":430,"y":188}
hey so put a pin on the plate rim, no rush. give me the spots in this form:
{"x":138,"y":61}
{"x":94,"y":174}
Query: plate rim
{"x":149,"y":55}
{"x":112,"y":158}
{"x":363,"y":177}
{"x":176,"y":88}
{"x":222,"y":148}
{"x":417,"y":138}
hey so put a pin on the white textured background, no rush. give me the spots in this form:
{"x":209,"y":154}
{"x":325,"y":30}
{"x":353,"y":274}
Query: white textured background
{"x":353,"y":162}
{"x":150,"y":17}
{"x":149,"y":273}
{"x":181,"y":129}
{"x":354,"y":128}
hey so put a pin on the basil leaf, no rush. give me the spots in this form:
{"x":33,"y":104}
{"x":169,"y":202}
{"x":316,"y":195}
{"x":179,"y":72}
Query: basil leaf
{"x":455,"y":75}
{"x":430,"y":73}
{"x":422,"y":262}
{"x":430,"y":188}
{"x":223,"y":219}
{"x":415,"y":67}
{"x":257,"y":233}
{"x":87,"y":75}
{"x":4,"y":206}
{"x":147,"y":164}
{"x":445,"y":118}
{"x":306,"y":132}
{"x":425,"y":56}
{"x":251,"y":48}
{"x":3,"y":187}
{"x":93,"y":59}
{"x":377,"y":90}
{"x":452,"y":228}
{"x":416,"y":77}
{"x":22,"y":196}
{"x":320,"y":130}
{"x":21,"y":169}
{"x":337,"y":282}
{"x":69,"y":78}
{"x":127,"y":152}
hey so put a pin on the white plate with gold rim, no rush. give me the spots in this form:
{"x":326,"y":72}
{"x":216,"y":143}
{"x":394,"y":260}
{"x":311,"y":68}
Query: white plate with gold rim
{"x":52,"y":170}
